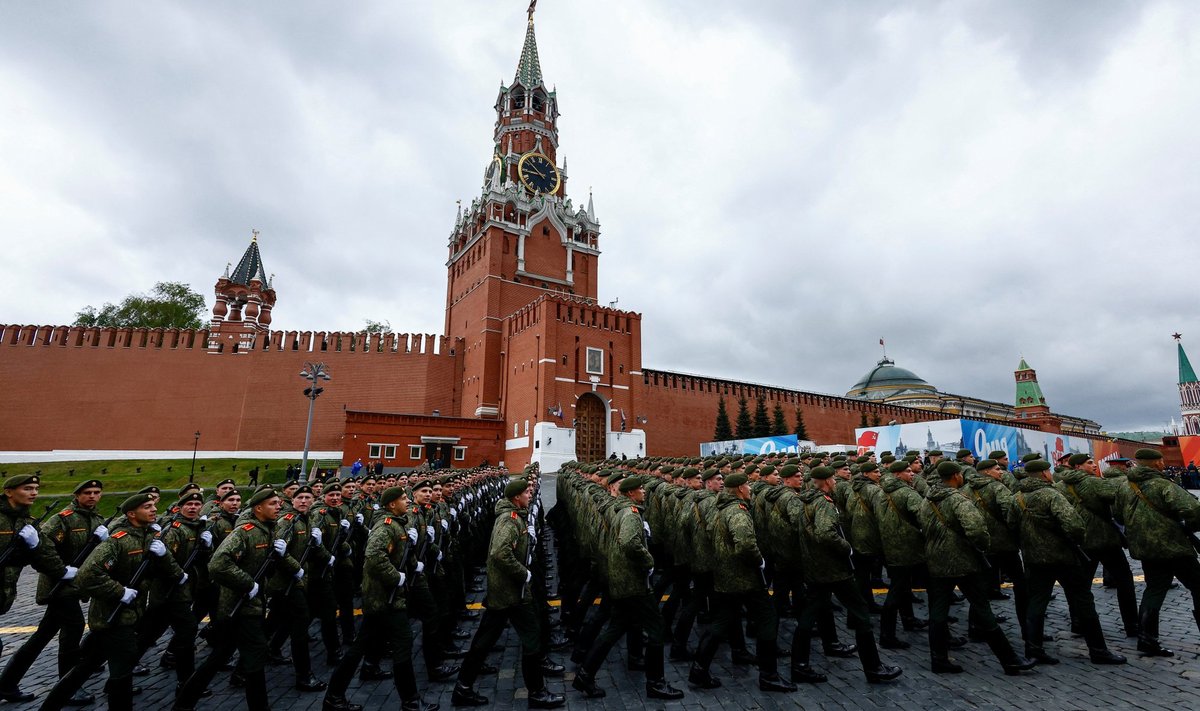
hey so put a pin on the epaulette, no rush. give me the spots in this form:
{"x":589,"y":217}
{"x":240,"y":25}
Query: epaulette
{"x":176,"y":524}
{"x":514,"y":514}
{"x":742,"y":507}
{"x":65,"y":512}
{"x":322,"y":511}
{"x":120,"y":534}
{"x":289,"y":517}
{"x":388,"y":520}
{"x":635,"y":509}
{"x":248,"y":527}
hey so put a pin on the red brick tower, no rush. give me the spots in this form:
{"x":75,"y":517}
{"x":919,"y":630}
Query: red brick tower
{"x":520,"y":238}
{"x":244,"y":300}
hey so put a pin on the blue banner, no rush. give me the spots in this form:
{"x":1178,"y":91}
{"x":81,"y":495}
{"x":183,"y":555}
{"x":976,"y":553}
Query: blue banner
{"x":757,"y":445}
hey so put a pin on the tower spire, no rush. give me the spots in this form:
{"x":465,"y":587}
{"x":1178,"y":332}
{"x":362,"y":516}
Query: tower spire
{"x":529,"y":68}
{"x":1189,"y":391}
{"x":1186,"y":373}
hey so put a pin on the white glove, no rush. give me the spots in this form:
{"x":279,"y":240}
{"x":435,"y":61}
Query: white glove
{"x":101,"y":532}
{"x":649,"y":574}
{"x":762,"y":564}
{"x":29,"y":535}
{"x":280,"y":547}
{"x":332,"y":560}
{"x":206,"y":538}
{"x":317,"y":535}
{"x":420,"y":567}
{"x":459,"y":507}
{"x":70,"y":574}
{"x":128,"y":596}
{"x":532,"y":530}
{"x":359,"y":518}
{"x":157,"y":548}
{"x":299,"y":574}
{"x":183,"y":579}
{"x":403,"y":578}
{"x":412,"y":534}
{"x":445,"y":525}
{"x":345,"y":523}
{"x":204,"y":518}
{"x":646,"y":527}
{"x":454,"y":513}
{"x":429,"y":531}
{"x":253,"y":591}
{"x":155,"y":527}
{"x":375,"y":506}
{"x":528,"y":575}
{"x":439,"y":558}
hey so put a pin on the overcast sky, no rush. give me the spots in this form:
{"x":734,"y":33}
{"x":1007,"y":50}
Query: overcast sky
{"x":780,"y":184}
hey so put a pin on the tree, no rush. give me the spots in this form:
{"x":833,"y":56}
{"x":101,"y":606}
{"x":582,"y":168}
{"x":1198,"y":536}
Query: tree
{"x":745,"y":429}
{"x":724,"y":430}
{"x":762,"y":421}
{"x":374,"y":326}
{"x":876,"y":420}
{"x":801,"y":431}
{"x":779,"y":424}
{"x":171,"y":304}
{"x":863,"y":422}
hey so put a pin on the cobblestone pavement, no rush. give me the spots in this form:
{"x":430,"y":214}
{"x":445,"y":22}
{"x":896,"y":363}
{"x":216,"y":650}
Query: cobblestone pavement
{"x":1075,"y":683}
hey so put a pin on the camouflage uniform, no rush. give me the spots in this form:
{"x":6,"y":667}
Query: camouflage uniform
{"x":897,"y":512}
{"x":995,"y":502}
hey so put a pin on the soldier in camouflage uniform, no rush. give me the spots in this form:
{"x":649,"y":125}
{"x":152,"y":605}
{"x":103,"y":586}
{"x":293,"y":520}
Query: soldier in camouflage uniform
{"x":739,"y":581}
{"x":1159,"y":520}
{"x":508,"y":601}
{"x":73,"y":532}
{"x":898,"y":511}
{"x":863,"y":501}
{"x":424,"y":595}
{"x":214,"y":502}
{"x":221,"y":524}
{"x":1051,"y":532}
{"x":995,"y":502}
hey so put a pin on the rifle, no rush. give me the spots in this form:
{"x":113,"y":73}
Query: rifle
{"x":8,"y":550}
{"x":84,"y":552}
{"x":303,"y":559}
{"x":403,"y":565}
{"x":196,"y":550}
{"x":338,"y":539}
{"x":147,"y":556}
{"x":528,"y":564}
{"x":262,"y":571}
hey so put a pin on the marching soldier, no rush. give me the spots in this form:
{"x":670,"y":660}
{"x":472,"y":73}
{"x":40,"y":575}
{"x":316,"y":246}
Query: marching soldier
{"x":74,"y":532}
{"x":425,"y":591}
{"x":287,"y":595}
{"x":861,"y":505}
{"x":1159,"y":520}
{"x":213,"y":504}
{"x":898,"y":512}
{"x":995,"y":502}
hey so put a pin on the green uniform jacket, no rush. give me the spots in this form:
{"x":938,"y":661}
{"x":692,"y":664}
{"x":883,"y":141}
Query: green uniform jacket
{"x":898,"y":512}
{"x":629,"y":559}
{"x":737,"y":558}
{"x":864,"y":500}
{"x":995,"y":501}
{"x":1093,"y":498}
{"x":69,"y":532}
{"x":238,"y":559}
{"x":783,"y":528}
{"x":181,"y":537}
{"x":1156,"y":531}
{"x":826,"y":552}
{"x":109,"y":569}
{"x":955,"y":533}
{"x":507,"y":554}
{"x":1050,"y":527}
{"x":764,"y":503}
{"x":703,"y":518}
{"x":43,"y":558}
{"x":387,"y":546}
{"x":300,"y":539}
{"x":682,"y":509}
{"x":329,"y":520}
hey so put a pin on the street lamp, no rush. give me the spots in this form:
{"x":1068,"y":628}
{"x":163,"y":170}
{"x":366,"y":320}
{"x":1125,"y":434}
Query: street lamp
{"x":192,"y":474}
{"x":314,"y":373}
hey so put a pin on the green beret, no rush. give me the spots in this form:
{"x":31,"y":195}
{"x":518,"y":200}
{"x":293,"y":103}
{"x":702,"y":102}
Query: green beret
{"x":514,"y":488}
{"x":897,"y":467}
{"x":149,"y":490}
{"x":751,"y":468}
{"x":134,"y":502}
{"x":667,"y":470}
{"x":733,"y":481}
{"x":821,"y":473}
{"x":689,"y":473}
{"x":306,"y":489}
{"x":709,"y":474}
{"x":887,"y":459}
{"x":789,"y":470}
{"x":986,"y":464}
{"x":806,"y":455}
{"x":390,"y":494}
{"x":1037,"y":465}
{"x":769,"y":469}
{"x":868,"y":468}
{"x":190,"y":486}
{"x":191,"y":496}
{"x":235,"y":492}
{"x":935,"y":452}
{"x":1142,"y":454}
{"x":839,"y":464}
{"x":947,"y":470}
{"x":89,"y":484}
{"x":1078,"y":458}
{"x":910,"y":456}
{"x":862,"y":460}
{"x":335,"y":486}
{"x":998,"y":454}
{"x":425,"y":484}
{"x":962,"y":453}
{"x":1030,"y":457}
{"x":614,"y":478}
{"x":261,"y":496}
{"x":630,"y":483}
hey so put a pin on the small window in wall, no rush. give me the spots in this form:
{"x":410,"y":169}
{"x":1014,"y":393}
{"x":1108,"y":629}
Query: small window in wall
{"x":415,"y":451}
{"x":373,"y":451}
{"x":389,"y":451}
{"x":460,"y":454}
{"x":526,"y":428}
{"x":515,"y":430}
{"x":595,"y":361}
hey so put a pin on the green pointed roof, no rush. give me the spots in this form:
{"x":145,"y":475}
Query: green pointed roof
{"x":1186,"y":374}
{"x":1023,"y":365}
{"x":529,"y":68}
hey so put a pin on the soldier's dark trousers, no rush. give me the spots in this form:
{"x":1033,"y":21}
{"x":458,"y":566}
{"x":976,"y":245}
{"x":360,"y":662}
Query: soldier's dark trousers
{"x":1009,"y":564}
{"x":817,"y":607}
{"x":378,"y":630}
{"x":63,"y":617}
{"x":423,"y":605}
{"x":975,"y":587}
{"x":321,"y":604}
{"x":491,"y":625}
{"x":118,"y":647}
{"x":246,"y":635}
{"x":898,"y":601}
{"x":343,"y":594}
{"x":639,"y":614}
{"x":176,"y":614}
{"x":1159,"y":574}
{"x":1077,"y":587}
{"x":727,"y":619}
{"x":864,"y":565}
{"x":679,"y":579}
{"x":289,"y":618}
{"x":1117,"y":572}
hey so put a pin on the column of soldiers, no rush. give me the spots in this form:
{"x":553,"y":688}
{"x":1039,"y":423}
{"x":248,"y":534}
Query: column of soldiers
{"x":260,"y":570}
{"x":712,"y":538}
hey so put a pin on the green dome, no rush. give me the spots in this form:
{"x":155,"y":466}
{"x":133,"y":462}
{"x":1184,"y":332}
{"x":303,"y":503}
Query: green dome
{"x":885,"y":380}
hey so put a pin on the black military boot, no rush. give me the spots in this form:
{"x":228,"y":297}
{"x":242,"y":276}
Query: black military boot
{"x":774,"y":682}
{"x":887,"y":630}
{"x":1013,"y":665}
{"x":660,"y":689}
{"x":701,"y":677}
{"x":466,"y":696}
{"x":875,"y":670}
{"x":545,"y":699}
{"x":939,"y":651}
{"x":418,"y":704}
{"x":1097,"y":648}
{"x":339,"y":703}
{"x":586,"y":683}
{"x":373,"y":672}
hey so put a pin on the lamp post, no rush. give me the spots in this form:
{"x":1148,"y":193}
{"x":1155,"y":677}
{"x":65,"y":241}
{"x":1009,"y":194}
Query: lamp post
{"x":314,"y":373}
{"x":195,"y":446}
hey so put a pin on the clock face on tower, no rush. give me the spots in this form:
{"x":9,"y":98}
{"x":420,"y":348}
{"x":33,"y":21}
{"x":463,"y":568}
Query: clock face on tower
{"x":538,"y":174}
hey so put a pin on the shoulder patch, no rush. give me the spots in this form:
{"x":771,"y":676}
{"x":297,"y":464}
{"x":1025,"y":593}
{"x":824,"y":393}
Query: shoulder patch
{"x":65,"y":512}
{"x":742,"y":507}
{"x":322,"y":511}
{"x":514,"y":514}
{"x":176,"y":524}
{"x":120,"y":534}
{"x":248,"y":527}
{"x":289,"y":517}
{"x":388,"y":520}
{"x":633,"y":509}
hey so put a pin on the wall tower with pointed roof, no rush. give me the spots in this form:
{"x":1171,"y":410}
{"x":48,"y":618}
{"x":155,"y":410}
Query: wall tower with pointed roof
{"x":1031,"y":408}
{"x":1189,"y":393}
{"x":244,"y":299}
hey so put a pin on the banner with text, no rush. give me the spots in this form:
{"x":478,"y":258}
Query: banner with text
{"x":756,"y":445}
